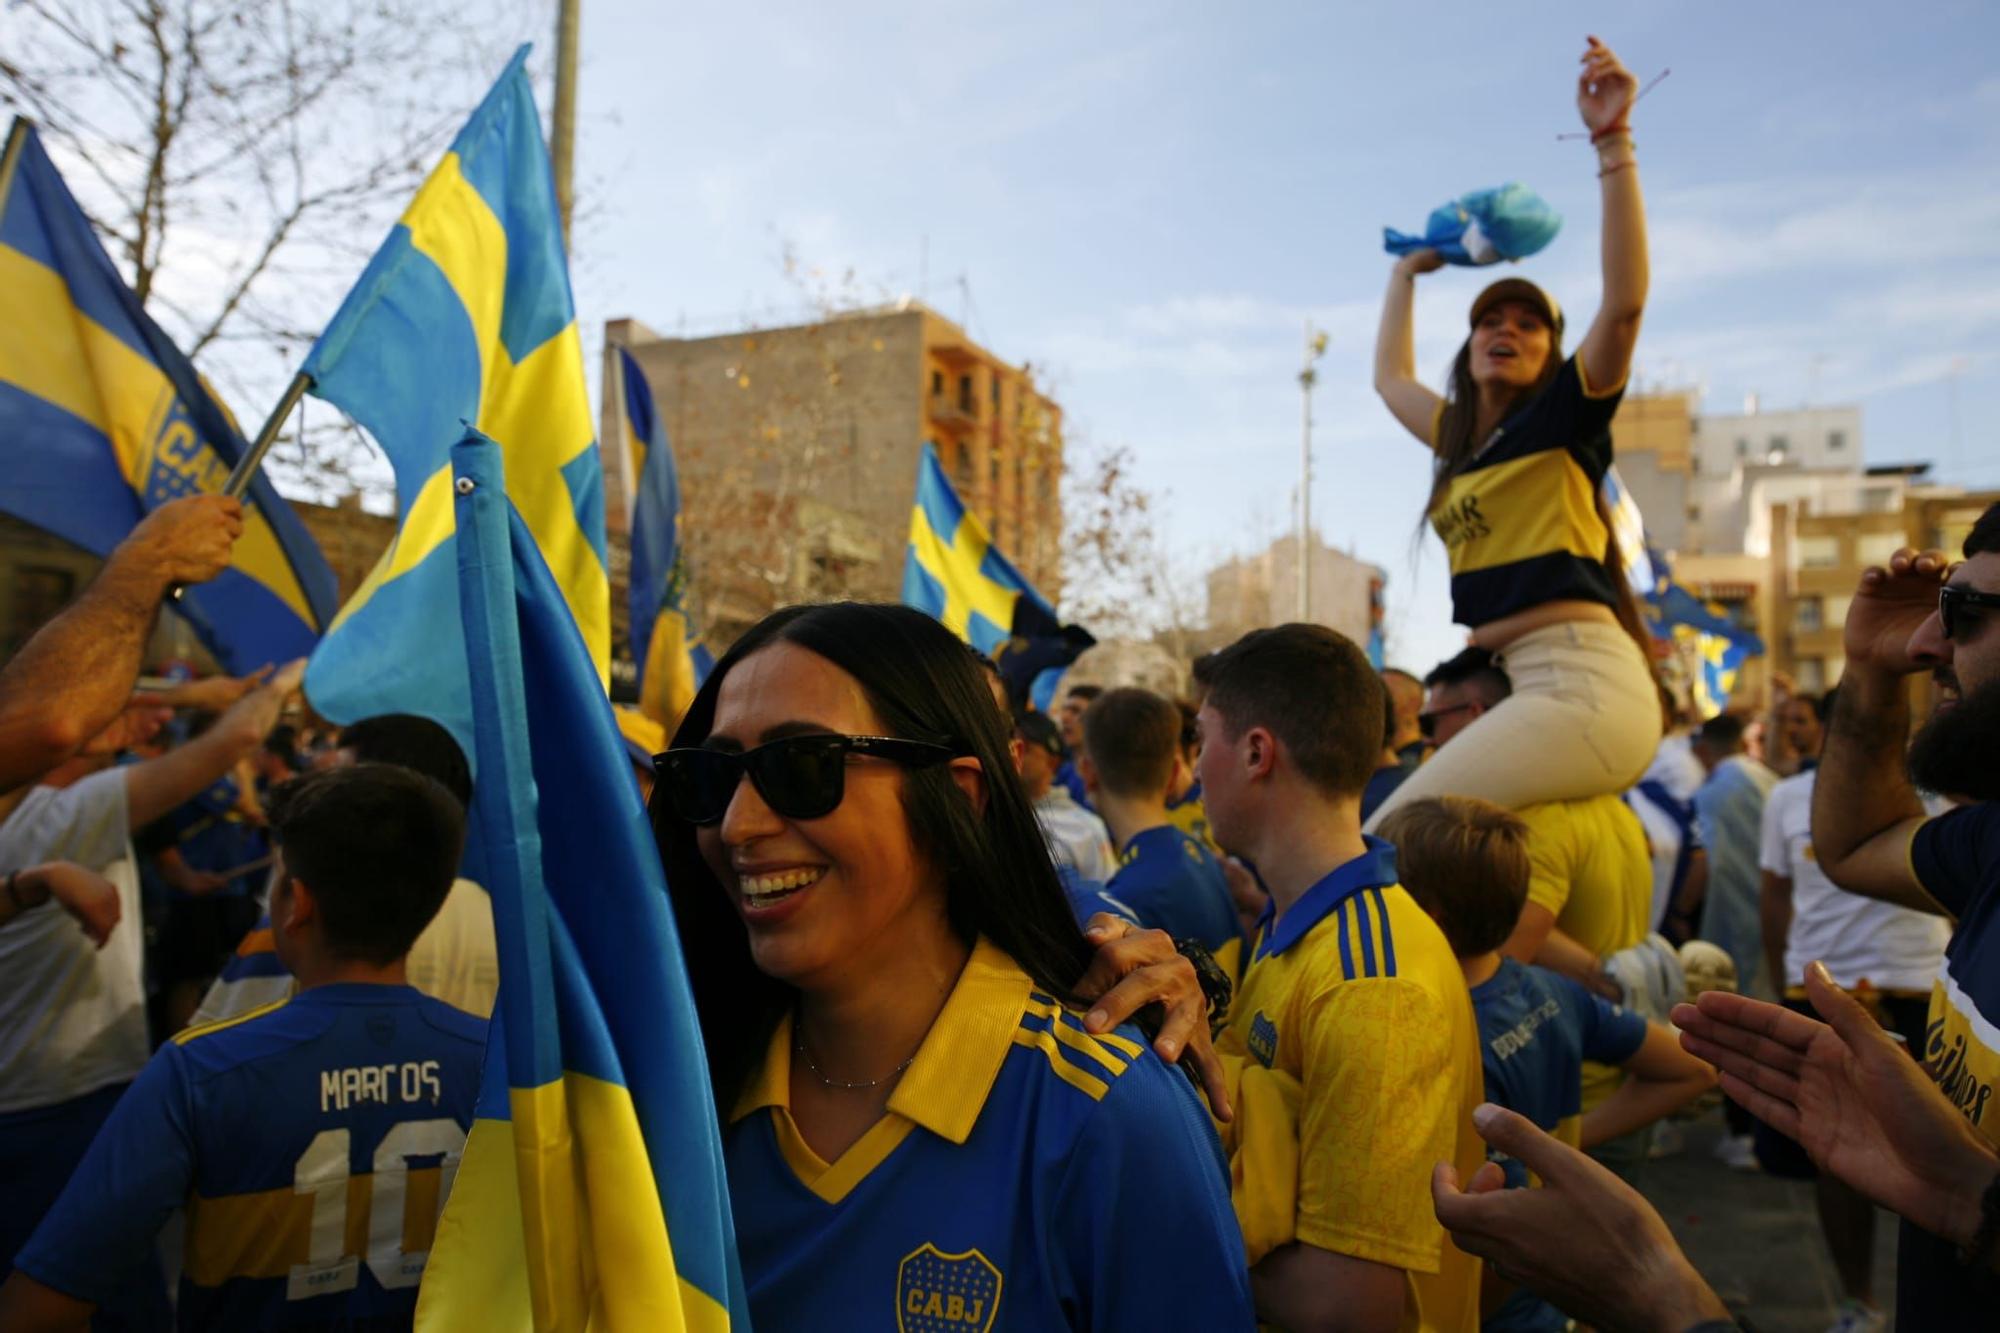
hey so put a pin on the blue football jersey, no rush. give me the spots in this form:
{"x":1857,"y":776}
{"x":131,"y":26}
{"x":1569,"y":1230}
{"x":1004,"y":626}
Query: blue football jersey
{"x":312,"y":1143}
{"x":1026,"y":1176}
{"x":1171,"y":881}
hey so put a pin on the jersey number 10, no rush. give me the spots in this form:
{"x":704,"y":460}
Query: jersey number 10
{"x":322,"y":1172}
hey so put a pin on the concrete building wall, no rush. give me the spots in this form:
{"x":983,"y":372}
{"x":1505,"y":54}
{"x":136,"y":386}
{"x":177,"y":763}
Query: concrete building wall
{"x":1815,"y":437}
{"x":1262,"y":589}
{"x":798,"y":447}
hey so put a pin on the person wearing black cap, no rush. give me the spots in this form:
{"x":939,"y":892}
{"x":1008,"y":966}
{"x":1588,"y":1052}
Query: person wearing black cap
{"x":1522,"y":440}
{"x":1077,"y":838}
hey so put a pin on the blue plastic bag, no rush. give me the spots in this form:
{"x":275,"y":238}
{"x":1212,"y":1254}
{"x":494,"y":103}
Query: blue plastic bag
{"x":1483,"y":227}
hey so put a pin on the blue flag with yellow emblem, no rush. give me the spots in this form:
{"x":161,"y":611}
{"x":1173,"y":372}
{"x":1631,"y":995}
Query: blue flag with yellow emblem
{"x":1715,"y":646}
{"x":953,"y":573}
{"x":464,"y":317}
{"x":592,"y":1192}
{"x":666,"y":645}
{"x":102,"y":420}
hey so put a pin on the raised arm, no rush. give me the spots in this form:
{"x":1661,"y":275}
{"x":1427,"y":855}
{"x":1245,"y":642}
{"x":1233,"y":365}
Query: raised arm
{"x":1864,"y":809}
{"x":1604,"y":94}
{"x":76,"y":674}
{"x":1396,"y":349}
{"x":158,"y":785}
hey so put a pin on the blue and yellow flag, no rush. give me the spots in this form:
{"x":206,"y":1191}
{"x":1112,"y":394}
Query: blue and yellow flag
{"x":592,"y":1192}
{"x":953,"y":573}
{"x":1628,"y":525}
{"x":666,"y":646}
{"x":464,"y":317}
{"x":103,"y":420}
{"x":1718,"y":646}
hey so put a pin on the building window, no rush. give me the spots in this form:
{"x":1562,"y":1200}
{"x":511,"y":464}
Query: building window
{"x":1818,"y":551}
{"x":1836,"y":440}
{"x":1811,"y":675}
{"x":1780,"y":447}
{"x":1806,"y":616}
{"x":1742,"y":447}
{"x":937,"y":384}
{"x":1875,"y":548}
{"x":965,"y":399}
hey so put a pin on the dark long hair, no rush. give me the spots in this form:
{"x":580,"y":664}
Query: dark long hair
{"x":1457,"y":442}
{"x":999,"y":880}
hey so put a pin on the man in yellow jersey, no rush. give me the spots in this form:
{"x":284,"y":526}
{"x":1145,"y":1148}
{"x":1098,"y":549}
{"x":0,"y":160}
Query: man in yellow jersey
{"x":1351,"y":989}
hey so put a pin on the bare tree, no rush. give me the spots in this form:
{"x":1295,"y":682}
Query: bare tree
{"x":1119,"y":578}
{"x":242,"y":158}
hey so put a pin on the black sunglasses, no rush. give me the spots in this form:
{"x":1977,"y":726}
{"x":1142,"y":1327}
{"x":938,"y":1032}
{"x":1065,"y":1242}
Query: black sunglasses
{"x":1954,"y":601}
{"x":1427,"y":723}
{"x":799,"y":777}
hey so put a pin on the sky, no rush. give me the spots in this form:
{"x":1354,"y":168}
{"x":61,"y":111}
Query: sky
{"x":1147,"y":204}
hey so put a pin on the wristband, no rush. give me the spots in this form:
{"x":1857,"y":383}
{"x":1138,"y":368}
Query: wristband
{"x":1616,"y":167}
{"x":1610,"y":131}
{"x":1215,"y":984}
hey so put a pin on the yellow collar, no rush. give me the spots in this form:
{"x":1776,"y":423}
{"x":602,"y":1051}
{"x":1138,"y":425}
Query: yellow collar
{"x":947,"y":1083}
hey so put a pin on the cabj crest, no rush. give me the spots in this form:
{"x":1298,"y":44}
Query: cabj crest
{"x":946,"y":1293}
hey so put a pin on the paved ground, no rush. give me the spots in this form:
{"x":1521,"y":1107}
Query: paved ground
{"x":1756,"y":1238}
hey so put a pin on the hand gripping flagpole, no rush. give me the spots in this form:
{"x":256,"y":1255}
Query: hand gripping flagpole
{"x":246,"y":467}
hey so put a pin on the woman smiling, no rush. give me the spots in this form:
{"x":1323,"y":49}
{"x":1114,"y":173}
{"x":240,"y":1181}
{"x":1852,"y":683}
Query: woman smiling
{"x":919,"y":1132}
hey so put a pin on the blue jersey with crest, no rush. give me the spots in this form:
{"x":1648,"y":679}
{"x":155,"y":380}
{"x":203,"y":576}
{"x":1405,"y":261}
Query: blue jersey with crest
{"x":312,"y":1143}
{"x":1170,"y":881}
{"x":1026,"y":1176}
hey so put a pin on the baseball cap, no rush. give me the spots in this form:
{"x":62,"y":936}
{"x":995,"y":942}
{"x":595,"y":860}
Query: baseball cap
{"x":1040,"y":730}
{"x":1518,"y":289}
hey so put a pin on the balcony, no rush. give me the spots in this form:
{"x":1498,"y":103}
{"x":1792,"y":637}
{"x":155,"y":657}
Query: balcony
{"x":953,"y":413}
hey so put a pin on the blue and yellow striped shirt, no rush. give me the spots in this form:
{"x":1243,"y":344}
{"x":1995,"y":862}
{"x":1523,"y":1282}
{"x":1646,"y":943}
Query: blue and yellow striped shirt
{"x":1521,"y":522}
{"x":998,"y":1190}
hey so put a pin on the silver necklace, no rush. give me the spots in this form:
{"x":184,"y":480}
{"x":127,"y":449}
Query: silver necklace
{"x":840,"y":1084}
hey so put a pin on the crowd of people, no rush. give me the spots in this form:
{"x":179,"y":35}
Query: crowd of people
{"x":1322,"y":998}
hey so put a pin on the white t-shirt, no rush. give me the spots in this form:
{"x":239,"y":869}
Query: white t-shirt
{"x":1859,"y":939}
{"x":72,"y":1016}
{"x":454,"y":960}
{"x":1076,"y":837}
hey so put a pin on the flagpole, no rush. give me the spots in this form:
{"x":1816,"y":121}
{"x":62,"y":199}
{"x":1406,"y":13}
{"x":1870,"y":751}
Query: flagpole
{"x":246,"y":467}
{"x":10,"y":157}
{"x":562,"y":120}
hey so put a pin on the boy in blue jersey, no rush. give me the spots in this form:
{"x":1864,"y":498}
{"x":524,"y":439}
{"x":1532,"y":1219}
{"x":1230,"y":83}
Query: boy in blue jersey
{"x":312,"y":1142}
{"x":1465,"y":861}
{"x":1165,"y":878}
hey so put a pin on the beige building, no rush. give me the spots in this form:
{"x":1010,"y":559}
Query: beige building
{"x":1821,"y":545}
{"x":798,"y":448}
{"x":1263,"y":589}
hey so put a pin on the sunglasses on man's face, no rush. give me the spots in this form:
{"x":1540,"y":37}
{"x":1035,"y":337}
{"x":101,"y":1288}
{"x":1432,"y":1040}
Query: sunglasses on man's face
{"x":799,"y":777}
{"x":1955,"y":600}
{"x":1427,"y":723}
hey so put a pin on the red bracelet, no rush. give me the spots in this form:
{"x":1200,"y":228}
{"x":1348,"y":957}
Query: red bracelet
{"x":1609,"y":130}
{"x":1616,"y":167}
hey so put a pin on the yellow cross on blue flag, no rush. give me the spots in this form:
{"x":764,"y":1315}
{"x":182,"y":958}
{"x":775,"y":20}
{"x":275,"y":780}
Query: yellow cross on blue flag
{"x":592,"y":1193}
{"x":464,"y":317}
{"x":666,"y":646}
{"x":103,"y":420}
{"x":953,"y":573}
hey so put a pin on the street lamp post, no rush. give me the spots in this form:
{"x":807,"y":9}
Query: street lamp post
{"x":1315,"y":348}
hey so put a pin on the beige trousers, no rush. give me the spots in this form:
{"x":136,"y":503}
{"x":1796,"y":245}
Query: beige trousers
{"x":1583,"y":720}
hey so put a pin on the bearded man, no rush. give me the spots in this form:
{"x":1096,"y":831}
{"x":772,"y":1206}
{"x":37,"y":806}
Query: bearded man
{"x":1922,"y":613}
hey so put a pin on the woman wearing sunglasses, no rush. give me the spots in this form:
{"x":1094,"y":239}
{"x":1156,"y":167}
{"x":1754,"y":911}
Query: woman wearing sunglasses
{"x":920,"y":1133}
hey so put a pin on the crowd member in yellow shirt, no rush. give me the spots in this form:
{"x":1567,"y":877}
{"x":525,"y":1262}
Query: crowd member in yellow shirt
{"x":1351,"y":989}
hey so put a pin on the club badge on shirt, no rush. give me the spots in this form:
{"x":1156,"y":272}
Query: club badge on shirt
{"x":1263,"y":1040}
{"x":946,"y":1293}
